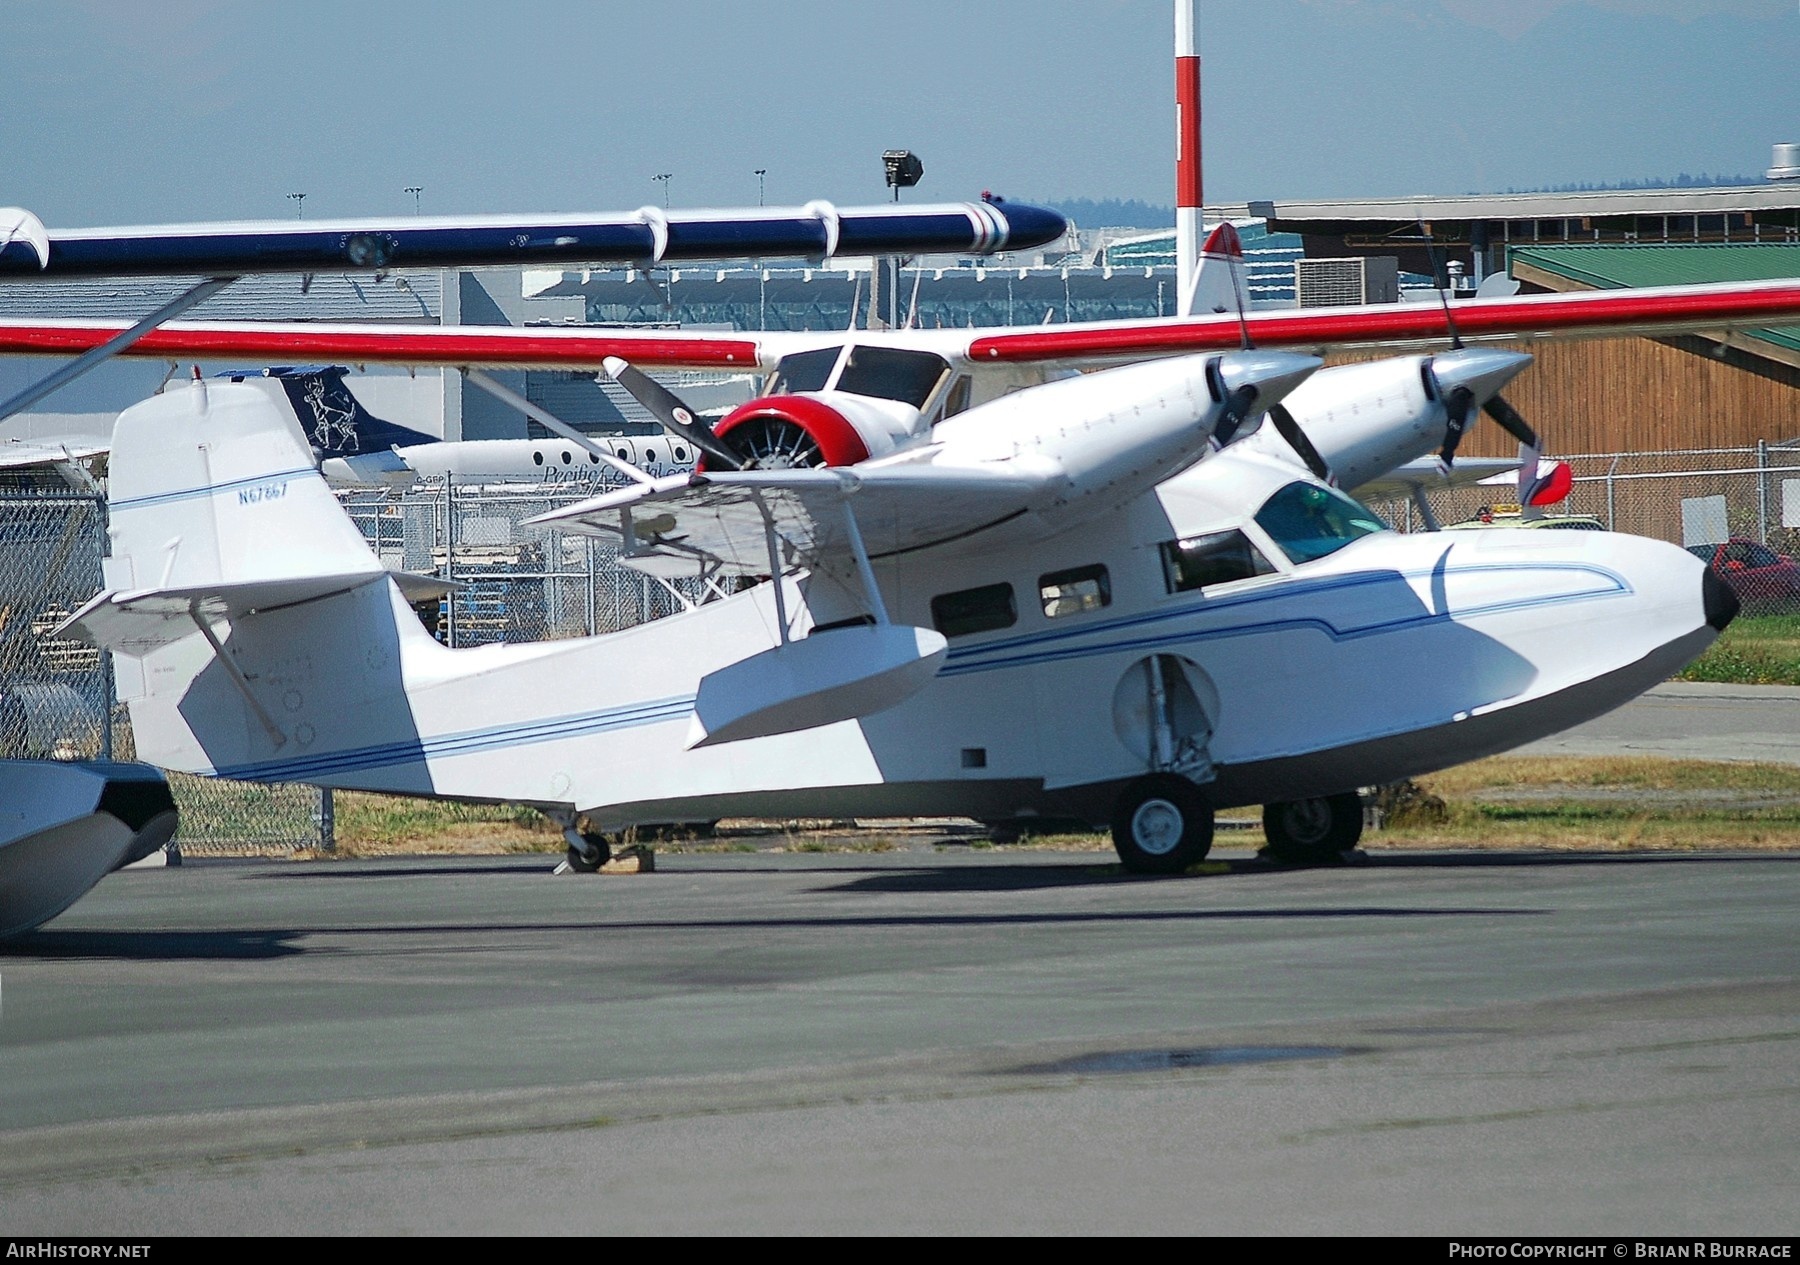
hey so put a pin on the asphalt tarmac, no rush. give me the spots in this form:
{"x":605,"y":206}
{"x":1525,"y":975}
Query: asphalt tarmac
{"x":918,"y":1041}
{"x":1692,"y":721}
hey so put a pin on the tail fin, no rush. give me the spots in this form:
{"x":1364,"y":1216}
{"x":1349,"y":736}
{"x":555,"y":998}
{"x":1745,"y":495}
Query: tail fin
{"x":213,"y":485}
{"x":250,"y":619}
{"x":334,"y":420}
{"x":1218,"y":281}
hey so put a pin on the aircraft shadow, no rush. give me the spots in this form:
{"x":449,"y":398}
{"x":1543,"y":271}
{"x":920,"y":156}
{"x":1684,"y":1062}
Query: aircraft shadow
{"x":170,"y":946}
{"x":1003,"y":877}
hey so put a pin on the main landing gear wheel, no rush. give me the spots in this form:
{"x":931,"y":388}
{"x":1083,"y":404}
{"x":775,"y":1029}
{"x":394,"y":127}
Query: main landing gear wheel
{"x":589,"y":859}
{"x":1161,"y":824}
{"x":1315,"y":831}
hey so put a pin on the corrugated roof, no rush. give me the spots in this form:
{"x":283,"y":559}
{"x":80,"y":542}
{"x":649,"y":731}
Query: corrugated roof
{"x":1636,"y":267}
{"x":409,"y":297}
{"x":1776,"y":195}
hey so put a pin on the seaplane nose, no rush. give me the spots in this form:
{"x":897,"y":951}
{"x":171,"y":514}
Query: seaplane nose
{"x":1717,"y":599}
{"x":1272,"y":373}
{"x":1482,"y":370}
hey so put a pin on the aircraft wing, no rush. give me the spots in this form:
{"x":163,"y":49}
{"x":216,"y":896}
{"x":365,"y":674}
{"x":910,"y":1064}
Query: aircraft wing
{"x":724,"y":519}
{"x":651,"y":235}
{"x":17,"y":453}
{"x":1429,"y":473}
{"x":1611,"y":313}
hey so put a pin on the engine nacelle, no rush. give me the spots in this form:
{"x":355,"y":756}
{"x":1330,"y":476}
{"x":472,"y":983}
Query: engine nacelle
{"x":820,"y":428}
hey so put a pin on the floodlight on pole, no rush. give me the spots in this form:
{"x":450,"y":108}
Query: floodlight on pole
{"x":415,"y":190}
{"x":663,"y":178}
{"x":299,"y":201}
{"x":902,"y":168}
{"x":760,"y":173}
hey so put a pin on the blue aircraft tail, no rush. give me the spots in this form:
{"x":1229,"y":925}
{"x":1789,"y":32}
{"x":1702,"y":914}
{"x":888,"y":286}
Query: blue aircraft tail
{"x":335,"y":421}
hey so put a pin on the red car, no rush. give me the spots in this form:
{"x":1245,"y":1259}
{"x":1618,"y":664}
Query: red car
{"x":1761,"y":578}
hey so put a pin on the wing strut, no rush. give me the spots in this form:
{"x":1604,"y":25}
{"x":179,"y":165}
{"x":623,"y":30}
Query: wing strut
{"x":113,"y":346}
{"x":775,"y":578}
{"x":548,"y":419}
{"x":877,"y":607}
{"x":235,"y":673}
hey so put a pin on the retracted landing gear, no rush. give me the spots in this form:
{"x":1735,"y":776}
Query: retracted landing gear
{"x":1161,"y":824}
{"x":1315,"y":831}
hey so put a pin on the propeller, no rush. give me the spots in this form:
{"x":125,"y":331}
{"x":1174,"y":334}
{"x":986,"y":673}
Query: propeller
{"x":676,"y":417}
{"x":1234,"y":410}
{"x":1457,"y":379}
{"x":1289,"y":429}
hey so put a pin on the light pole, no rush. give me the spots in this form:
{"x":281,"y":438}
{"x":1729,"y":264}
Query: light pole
{"x":760,"y":173}
{"x":663,"y":178}
{"x":415,"y":190}
{"x":299,"y":201}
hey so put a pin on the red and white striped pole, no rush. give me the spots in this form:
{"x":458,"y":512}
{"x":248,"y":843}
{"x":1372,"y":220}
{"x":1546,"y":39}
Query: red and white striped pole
{"x":1188,"y":226}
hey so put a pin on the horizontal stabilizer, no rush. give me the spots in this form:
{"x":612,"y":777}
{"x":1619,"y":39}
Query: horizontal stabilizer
{"x":138,"y":621}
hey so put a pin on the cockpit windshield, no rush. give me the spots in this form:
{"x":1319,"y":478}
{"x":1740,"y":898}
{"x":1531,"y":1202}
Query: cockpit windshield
{"x":890,"y":373}
{"x":1310,"y":522}
{"x":804,"y":371}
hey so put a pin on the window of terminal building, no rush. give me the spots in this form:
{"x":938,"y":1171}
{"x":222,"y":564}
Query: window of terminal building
{"x":970,"y":611}
{"x":1075,"y":591}
{"x":1216,"y":558}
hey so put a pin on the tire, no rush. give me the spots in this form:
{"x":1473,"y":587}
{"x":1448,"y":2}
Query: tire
{"x":589,"y":862}
{"x":1161,"y":824}
{"x":1315,"y":831}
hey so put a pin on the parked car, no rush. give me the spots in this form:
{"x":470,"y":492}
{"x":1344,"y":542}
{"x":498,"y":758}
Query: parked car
{"x":1510,"y":517}
{"x":1762,"y":579}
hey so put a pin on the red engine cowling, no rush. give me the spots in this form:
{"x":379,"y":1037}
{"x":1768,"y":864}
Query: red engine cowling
{"x":790,"y":432}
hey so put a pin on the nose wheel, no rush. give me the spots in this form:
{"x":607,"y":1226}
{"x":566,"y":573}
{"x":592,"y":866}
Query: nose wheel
{"x":1161,"y":825}
{"x":1316,"y":831}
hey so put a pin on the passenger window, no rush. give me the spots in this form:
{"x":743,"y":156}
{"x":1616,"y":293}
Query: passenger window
{"x":1073,"y":591}
{"x":974,"y":610}
{"x":1216,"y":558}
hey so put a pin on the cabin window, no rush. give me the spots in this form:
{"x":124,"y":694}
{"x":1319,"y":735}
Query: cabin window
{"x":568,"y":456}
{"x":537,"y":458}
{"x":892,"y":373}
{"x":974,"y":610}
{"x":680,"y":453}
{"x":1216,"y":558}
{"x":1076,"y":590}
{"x":1309,"y":521}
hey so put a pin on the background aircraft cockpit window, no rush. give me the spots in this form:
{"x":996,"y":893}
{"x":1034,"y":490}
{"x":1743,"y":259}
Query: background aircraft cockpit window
{"x":1215,"y":558}
{"x":803,"y":371}
{"x":891,"y":373}
{"x":974,"y":610}
{"x":1076,"y":590}
{"x":1309,"y":521}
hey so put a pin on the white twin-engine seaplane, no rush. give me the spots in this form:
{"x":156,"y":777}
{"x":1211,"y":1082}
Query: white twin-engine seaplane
{"x":1109,"y":598}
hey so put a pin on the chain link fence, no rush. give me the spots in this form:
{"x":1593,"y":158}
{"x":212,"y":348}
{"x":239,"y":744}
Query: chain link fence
{"x":1737,"y":507}
{"x":520,"y":583}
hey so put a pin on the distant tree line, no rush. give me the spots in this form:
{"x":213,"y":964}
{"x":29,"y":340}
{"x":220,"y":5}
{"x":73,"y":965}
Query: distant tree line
{"x":1110,"y":212}
{"x":1682,"y":181}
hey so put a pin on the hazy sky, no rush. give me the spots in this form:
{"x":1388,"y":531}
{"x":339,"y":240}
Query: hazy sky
{"x":119,"y":111}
